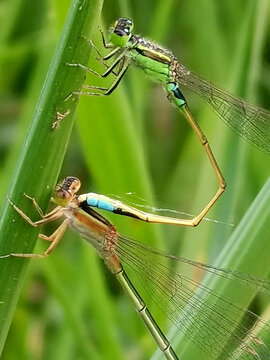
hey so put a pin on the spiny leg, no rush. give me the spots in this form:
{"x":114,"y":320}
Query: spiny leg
{"x":107,"y":46}
{"x":107,"y":91}
{"x":37,"y":207}
{"x":107,"y":57}
{"x":110,"y":68}
{"x":120,"y":61}
{"x":91,"y":71}
{"x":53,"y":215}
{"x":118,"y":74}
{"x":102,"y":60}
{"x":91,"y":43}
{"x":53,"y":238}
{"x":85,"y":68}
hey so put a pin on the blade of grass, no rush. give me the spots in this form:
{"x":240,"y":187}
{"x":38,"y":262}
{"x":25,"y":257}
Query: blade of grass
{"x":41,"y":157}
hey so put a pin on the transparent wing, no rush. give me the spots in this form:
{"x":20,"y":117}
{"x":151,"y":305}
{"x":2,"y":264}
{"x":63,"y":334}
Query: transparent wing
{"x":218,"y":327}
{"x":249,"y":121}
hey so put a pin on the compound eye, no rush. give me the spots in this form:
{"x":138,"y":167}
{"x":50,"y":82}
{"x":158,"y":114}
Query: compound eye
{"x":74,"y":186}
{"x":63,"y":194}
{"x":68,"y":187}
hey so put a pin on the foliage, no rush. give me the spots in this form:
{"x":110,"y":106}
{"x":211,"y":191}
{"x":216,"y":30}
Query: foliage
{"x":133,"y":141}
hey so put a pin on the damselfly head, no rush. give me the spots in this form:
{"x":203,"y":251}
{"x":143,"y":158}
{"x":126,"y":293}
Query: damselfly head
{"x":120,"y":32}
{"x":65,"y":191}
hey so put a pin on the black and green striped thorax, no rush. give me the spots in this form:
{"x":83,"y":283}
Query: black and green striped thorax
{"x":152,"y":50}
{"x":155,"y":60}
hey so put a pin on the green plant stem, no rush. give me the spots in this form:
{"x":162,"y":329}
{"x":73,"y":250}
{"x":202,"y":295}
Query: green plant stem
{"x":42,"y":154}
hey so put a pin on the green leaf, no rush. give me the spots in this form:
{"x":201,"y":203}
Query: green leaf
{"x":42,"y":154}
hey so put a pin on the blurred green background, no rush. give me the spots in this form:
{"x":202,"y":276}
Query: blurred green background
{"x":134,"y":145}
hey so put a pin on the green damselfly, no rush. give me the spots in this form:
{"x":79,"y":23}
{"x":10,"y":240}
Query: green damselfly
{"x":231,"y":331}
{"x":249,"y":121}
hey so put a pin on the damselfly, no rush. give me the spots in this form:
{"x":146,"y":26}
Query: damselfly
{"x":231,"y":331}
{"x":251,"y":122}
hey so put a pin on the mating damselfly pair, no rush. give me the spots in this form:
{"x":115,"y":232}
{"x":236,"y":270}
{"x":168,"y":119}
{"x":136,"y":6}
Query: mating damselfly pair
{"x":249,"y":121}
{"x":181,"y":301}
